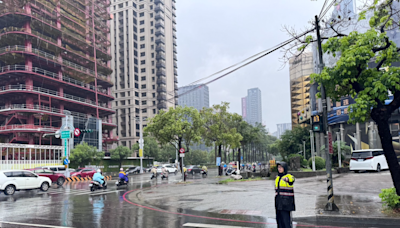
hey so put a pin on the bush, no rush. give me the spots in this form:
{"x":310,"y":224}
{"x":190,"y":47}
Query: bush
{"x":319,"y":163}
{"x":389,"y":198}
{"x":304,"y":163}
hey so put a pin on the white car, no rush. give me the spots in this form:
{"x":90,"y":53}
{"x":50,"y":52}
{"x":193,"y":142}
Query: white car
{"x":368,"y":160}
{"x":15,"y":180}
{"x":170,"y":168}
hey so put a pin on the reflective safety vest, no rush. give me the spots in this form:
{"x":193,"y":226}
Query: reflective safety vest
{"x":285,"y":188}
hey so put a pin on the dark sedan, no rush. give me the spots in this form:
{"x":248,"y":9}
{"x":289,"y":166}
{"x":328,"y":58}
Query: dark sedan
{"x":193,"y":169}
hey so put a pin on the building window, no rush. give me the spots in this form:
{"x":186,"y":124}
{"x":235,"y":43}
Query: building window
{"x":153,"y":79}
{"x":141,"y":14}
{"x":136,"y":94}
{"x":151,"y":7}
{"x":151,"y":15}
{"x":137,"y":134}
{"x":136,"y":102}
{"x":144,"y":94}
{"x":152,"y":71}
{"x":144,"y":86}
{"x":136,"y":85}
{"x":152,"y":55}
{"x":142,"y":46}
{"x":144,"y":102}
{"x":152,"y":63}
{"x":151,"y":23}
{"x":152,"y":47}
{"x":151,"y":31}
{"x":134,"y":44}
{"x":144,"y":110}
{"x":152,"y":39}
{"x":141,"y":30}
{"x":154,"y":102}
{"x":143,"y":78}
{"x":142,"y":53}
{"x":346,"y":102}
{"x":154,"y":111}
{"x":143,"y":62}
{"x":154,"y":95}
{"x":141,"y":22}
{"x":143,"y":70}
{"x":141,"y":7}
{"x":154,"y":86}
{"x":120,"y":5}
{"x":142,"y":38}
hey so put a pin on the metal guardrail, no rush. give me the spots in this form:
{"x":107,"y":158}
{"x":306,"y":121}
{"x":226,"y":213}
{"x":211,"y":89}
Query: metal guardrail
{"x":27,"y":127}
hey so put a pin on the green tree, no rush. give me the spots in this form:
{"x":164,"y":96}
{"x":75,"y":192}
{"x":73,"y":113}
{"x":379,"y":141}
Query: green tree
{"x":83,"y":154}
{"x":177,"y":127}
{"x":292,"y":142}
{"x":345,"y":149}
{"x":167,"y":153}
{"x":369,"y":85}
{"x":196,"y":157}
{"x":150,"y":148}
{"x":120,"y":153}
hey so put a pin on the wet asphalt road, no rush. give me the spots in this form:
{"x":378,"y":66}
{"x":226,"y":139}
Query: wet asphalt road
{"x":74,"y":205}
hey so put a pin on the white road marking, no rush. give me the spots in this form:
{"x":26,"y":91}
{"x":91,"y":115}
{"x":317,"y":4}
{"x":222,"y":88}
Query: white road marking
{"x":201,"y":225}
{"x":32,"y":225}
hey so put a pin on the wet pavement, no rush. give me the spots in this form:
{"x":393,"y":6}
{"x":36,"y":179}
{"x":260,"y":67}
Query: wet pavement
{"x":154,"y":203}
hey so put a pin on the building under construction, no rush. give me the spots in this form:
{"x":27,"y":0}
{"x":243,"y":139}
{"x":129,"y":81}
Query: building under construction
{"x":55,"y":56}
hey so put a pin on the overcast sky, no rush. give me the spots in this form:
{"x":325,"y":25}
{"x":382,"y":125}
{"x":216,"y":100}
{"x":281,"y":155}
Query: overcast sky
{"x":214,"y":34}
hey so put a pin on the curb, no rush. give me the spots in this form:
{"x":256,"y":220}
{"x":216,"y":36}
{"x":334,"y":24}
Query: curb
{"x":351,"y":220}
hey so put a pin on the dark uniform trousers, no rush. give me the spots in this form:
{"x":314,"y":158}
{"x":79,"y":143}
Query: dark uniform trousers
{"x":283,"y":219}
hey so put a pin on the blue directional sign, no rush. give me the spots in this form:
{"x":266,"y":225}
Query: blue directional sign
{"x":218,"y":161}
{"x":66,"y":161}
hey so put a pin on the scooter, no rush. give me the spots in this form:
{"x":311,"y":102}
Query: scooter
{"x":164,"y":175}
{"x":203,"y":173}
{"x":153,"y":176}
{"x":121,"y":182}
{"x":94,"y":185}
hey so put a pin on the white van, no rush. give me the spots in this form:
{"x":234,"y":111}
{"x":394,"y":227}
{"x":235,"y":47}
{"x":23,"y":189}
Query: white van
{"x":373,"y":159}
{"x":57,"y":169}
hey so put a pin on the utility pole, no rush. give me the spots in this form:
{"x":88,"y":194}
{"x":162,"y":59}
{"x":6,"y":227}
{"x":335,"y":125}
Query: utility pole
{"x":141,"y":141}
{"x":304,"y":149}
{"x":330,"y":206}
{"x":312,"y":149}
{"x":339,"y":149}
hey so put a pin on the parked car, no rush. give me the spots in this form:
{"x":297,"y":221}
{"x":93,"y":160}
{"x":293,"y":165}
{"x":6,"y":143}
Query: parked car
{"x":15,"y":180}
{"x":57,"y":178}
{"x":368,"y":160}
{"x":194,"y":169}
{"x":159,"y":169}
{"x":170,"y":168}
{"x":130,"y":169}
{"x":56,"y":168}
{"x":134,"y":170}
{"x":83,"y":172}
{"x":149,"y":169}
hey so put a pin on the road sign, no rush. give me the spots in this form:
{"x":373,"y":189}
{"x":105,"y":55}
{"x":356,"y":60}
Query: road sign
{"x":66,"y":161}
{"x":182,"y":155}
{"x":77,"y":132}
{"x":330,"y":143}
{"x":218,"y":161}
{"x":140,"y":152}
{"x":65,"y":148}
{"x":65,"y":135}
{"x":182,"y":150}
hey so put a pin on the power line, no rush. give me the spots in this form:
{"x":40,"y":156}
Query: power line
{"x":323,"y":8}
{"x":276,"y":47}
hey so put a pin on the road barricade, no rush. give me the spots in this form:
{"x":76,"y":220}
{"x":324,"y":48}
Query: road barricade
{"x":76,"y":179}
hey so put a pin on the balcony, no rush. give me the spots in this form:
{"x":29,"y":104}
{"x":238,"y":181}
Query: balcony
{"x":175,"y":72}
{"x":161,"y":73}
{"x":160,"y":40}
{"x":160,"y":56}
{"x":173,"y":20}
{"x":175,"y":43}
{"x":160,"y":64}
{"x":176,"y":87}
{"x":173,"y":5}
{"x":161,"y":81}
{"x":161,"y":97}
{"x":174,"y":27}
{"x":160,"y":47}
{"x":159,"y":24}
{"x":173,"y":13}
{"x":175,"y":57}
{"x":160,"y":32}
{"x":176,"y":79}
{"x":158,"y":1}
{"x":159,"y":16}
{"x":159,"y":8}
{"x":162,"y":105}
{"x":174,"y":34}
{"x":175,"y":51}
{"x":175,"y":65}
{"x":161,"y":89}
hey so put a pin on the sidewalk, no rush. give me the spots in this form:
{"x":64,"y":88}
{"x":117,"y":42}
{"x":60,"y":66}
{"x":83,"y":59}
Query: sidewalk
{"x":356,"y":195}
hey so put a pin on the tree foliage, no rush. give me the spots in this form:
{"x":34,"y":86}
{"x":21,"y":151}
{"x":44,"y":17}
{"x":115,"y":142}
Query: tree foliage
{"x":196,"y":157}
{"x":292,"y":142}
{"x":150,"y":147}
{"x":365,"y":72}
{"x":83,"y":154}
{"x":120,"y":153}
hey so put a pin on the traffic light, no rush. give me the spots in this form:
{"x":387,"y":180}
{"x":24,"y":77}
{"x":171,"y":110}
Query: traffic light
{"x":86,"y":130}
{"x":317,"y":124}
{"x":304,"y":115}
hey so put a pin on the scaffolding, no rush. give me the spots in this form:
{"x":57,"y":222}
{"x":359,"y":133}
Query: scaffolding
{"x":25,"y":156}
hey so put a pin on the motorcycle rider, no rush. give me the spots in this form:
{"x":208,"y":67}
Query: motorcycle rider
{"x":98,"y":177}
{"x":122,"y":175}
{"x":164,"y":172}
{"x":204,"y":168}
{"x":154,"y":172}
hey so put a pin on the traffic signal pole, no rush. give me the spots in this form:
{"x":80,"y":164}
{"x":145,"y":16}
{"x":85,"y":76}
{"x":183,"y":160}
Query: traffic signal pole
{"x":330,"y":206}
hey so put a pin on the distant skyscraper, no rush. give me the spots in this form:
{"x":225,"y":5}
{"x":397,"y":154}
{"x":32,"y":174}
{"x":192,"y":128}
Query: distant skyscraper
{"x":198,"y":98}
{"x":251,"y":106}
{"x":244,"y":108}
{"x":282,"y":128}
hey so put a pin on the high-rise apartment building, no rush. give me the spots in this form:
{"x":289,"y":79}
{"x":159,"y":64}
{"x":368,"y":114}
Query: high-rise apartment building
{"x":143,"y":37}
{"x":54,"y":56}
{"x":196,"y":96}
{"x":251,"y":106}
{"x":300,"y":69}
{"x":281,"y":128}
